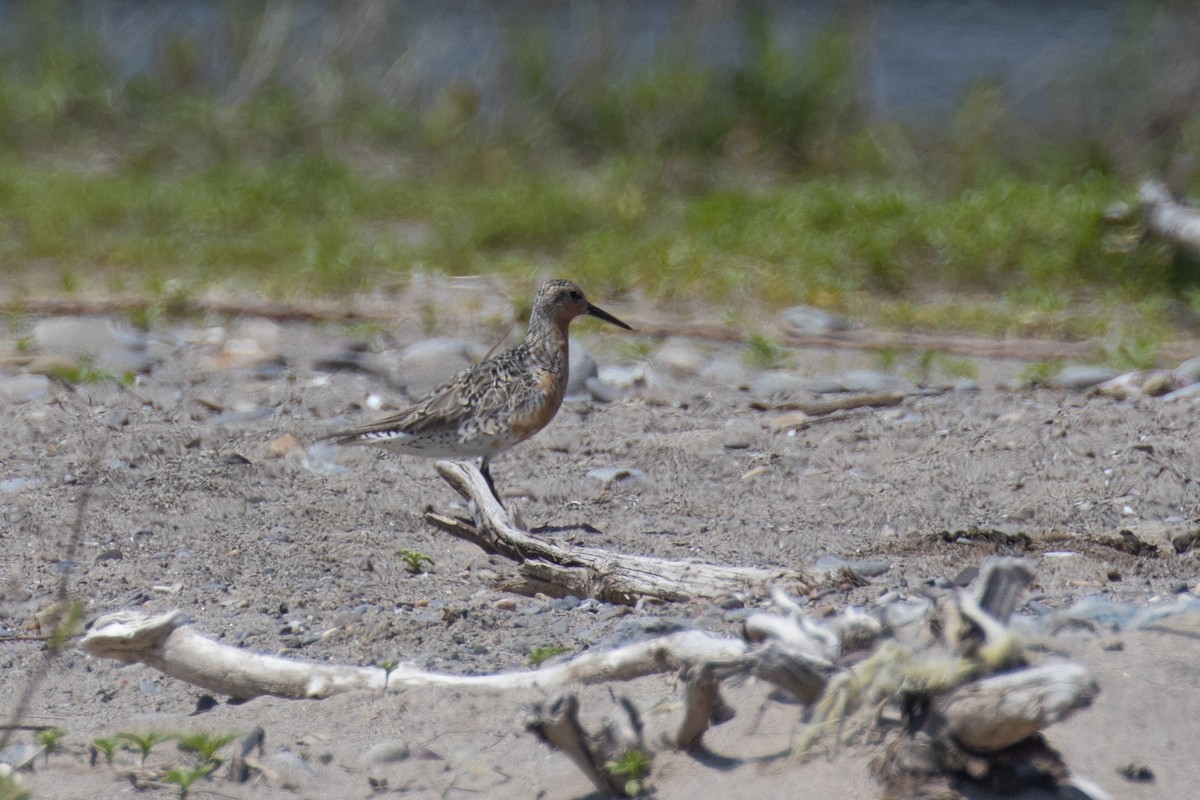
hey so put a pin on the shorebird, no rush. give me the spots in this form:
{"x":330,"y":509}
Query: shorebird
{"x":499,"y":402}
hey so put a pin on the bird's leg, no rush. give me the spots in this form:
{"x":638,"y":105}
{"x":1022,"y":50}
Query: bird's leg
{"x":485,"y":470}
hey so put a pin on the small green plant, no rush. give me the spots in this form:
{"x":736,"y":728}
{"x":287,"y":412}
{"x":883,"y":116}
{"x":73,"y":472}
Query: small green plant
{"x":388,"y":667}
{"x":414,"y":560}
{"x":205,"y":745}
{"x":762,"y":352}
{"x":144,"y":743}
{"x":184,"y":778}
{"x":633,"y":766}
{"x":540,"y":654}
{"x":49,"y":740}
{"x":1041,"y":373}
{"x":106,"y":745}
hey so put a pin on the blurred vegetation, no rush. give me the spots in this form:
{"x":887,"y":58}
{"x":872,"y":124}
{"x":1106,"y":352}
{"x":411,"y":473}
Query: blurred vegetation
{"x":761,"y":184}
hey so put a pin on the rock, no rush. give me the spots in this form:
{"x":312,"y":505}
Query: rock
{"x":1190,"y":369}
{"x":624,"y":377}
{"x":789,"y":420}
{"x":869,"y":380}
{"x":107,"y":346}
{"x":680,"y":358}
{"x":727,"y":371}
{"x":600,"y":391}
{"x":426,"y":365}
{"x":24,"y":388}
{"x":614,"y":474}
{"x":738,"y":434}
{"x":773,"y":382}
{"x":12,"y":485}
{"x":1082,"y":376}
{"x":1189,"y":392}
{"x":389,"y":752}
{"x":802,"y":320}
{"x":280,"y":447}
{"x":582,"y":368}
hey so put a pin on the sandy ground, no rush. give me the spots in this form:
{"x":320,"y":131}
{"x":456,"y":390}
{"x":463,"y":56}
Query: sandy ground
{"x":299,"y":555}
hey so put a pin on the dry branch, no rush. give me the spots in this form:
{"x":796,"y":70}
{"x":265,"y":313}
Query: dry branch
{"x":167,"y":643}
{"x":1171,"y":220}
{"x":592,"y":572}
{"x":995,"y":713}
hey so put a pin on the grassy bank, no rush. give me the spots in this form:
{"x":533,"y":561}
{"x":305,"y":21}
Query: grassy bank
{"x":759,"y":186}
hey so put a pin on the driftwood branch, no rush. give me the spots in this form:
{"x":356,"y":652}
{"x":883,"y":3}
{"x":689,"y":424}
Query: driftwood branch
{"x":592,"y":572}
{"x":167,"y":643}
{"x":1169,"y":219}
{"x":557,"y":724}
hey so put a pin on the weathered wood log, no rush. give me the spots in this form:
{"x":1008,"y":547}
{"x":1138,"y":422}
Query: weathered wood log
{"x":1169,"y":219}
{"x":592,"y":572}
{"x":167,"y":643}
{"x":994,"y":713}
{"x":557,"y":724}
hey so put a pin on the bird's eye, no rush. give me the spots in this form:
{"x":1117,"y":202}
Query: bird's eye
{"x":575,"y":295}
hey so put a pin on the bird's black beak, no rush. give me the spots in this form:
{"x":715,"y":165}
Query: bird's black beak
{"x":607,"y":317}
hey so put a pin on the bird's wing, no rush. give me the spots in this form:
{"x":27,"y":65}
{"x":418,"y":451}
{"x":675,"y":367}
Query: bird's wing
{"x":474,"y":395}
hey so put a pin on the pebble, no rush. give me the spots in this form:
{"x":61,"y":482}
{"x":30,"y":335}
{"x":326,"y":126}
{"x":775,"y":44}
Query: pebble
{"x":869,"y":380}
{"x":581,"y":368}
{"x":615,"y":474}
{"x":12,"y":485}
{"x":505,"y":604}
{"x":108,"y":346}
{"x":738,"y":435}
{"x":388,"y":752}
{"x":426,"y":365}
{"x":774,"y":382}
{"x":1190,"y":369}
{"x":283,"y":445}
{"x":600,"y":391}
{"x":727,"y":371}
{"x":808,"y":319}
{"x":564,"y":603}
{"x":680,"y":358}
{"x":1189,"y":392}
{"x":1082,"y":376}
{"x":24,"y":388}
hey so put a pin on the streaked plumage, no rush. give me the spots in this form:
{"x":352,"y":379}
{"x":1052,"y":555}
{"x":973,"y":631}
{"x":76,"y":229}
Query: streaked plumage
{"x":497,"y":403}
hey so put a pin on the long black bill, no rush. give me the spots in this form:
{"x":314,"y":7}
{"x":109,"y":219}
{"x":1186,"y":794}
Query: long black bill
{"x":607,"y":317}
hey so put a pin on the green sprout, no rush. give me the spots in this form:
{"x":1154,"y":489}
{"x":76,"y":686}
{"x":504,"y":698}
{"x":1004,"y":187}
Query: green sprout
{"x":415,"y":560}
{"x":388,"y":667}
{"x":144,"y":742}
{"x":540,"y":654}
{"x":204,"y":745}
{"x":107,"y":745}
{"x":633,"y":765}
{"x":49,"y":739}
{"x":184,"y":778}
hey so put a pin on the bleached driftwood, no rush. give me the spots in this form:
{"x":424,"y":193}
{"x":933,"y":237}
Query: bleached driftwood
{"x":167,"y":643}
{"x":992,"y":714}
{"x":1169,"y":219}
{"x":557,"y":724}
{"x":592,"y":572}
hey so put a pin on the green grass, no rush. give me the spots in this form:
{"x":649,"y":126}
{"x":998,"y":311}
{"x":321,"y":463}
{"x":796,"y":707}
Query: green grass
{"x":745,"y":187}
{"x":314,"y":224}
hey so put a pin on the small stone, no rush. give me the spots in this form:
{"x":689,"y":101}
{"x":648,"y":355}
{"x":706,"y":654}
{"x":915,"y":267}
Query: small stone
{"x":738,"y":435}
{"x":616,"y":474}
{"x":774,"y":382}
{"x":283,"y":445}
{"x":1136,"y":773}
{"x":580,"y":369}
{"x":1079,"y":376}
{"x":869,"y":380}
{"x":680,"y":358}
{"x":965,"y":576}
{"x":1112,"y":645}
{"x":95,"y":338}
{"x":24,"y":388}
{"x":788,"y":421}
{"x":428,"y":364}
{"x":600,"y":391}
{"x":1190,"y":369}
{"x":807,"y":319}
{"x":391,"y":752}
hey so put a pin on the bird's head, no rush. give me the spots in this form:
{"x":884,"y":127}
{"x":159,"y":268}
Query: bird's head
{"x":562,"y":301}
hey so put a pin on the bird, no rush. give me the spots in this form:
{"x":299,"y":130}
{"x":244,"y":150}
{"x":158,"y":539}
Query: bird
{"x":497,"y":403}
